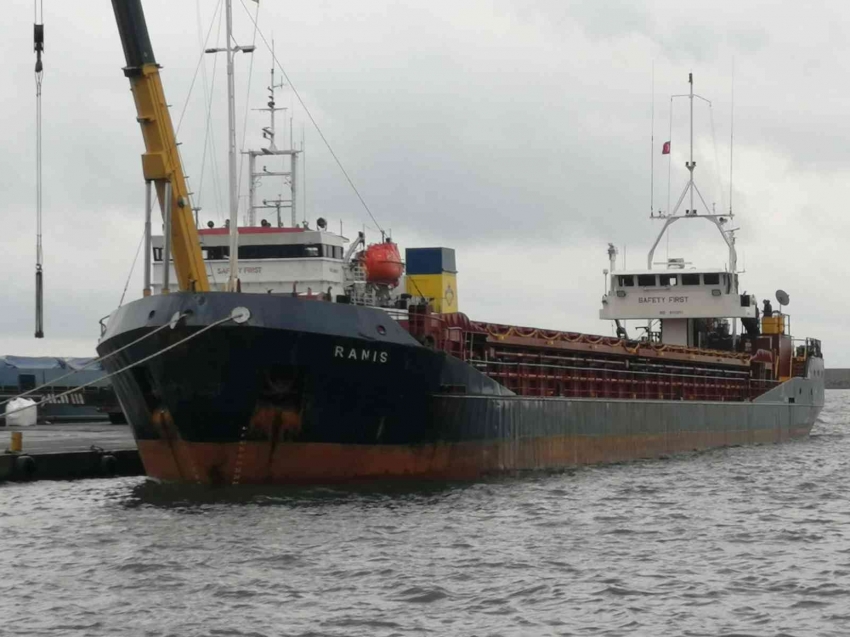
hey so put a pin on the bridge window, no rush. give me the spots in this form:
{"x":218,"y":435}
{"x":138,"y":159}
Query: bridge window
{"x":711,"y":279}
{"x":290,"y":251}
{"x":669,"y":279}
{"x":218,"y":253}
{"x":298,"y":251}
{"x":690,"y":279}
{"x":646,"y":280}
{"x":626,"y":281}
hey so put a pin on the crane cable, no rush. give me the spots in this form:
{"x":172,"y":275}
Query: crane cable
{"x":38,"y":47}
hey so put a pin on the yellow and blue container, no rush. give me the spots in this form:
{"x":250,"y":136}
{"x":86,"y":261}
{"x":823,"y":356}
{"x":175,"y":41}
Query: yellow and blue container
{"x":432,"y":273}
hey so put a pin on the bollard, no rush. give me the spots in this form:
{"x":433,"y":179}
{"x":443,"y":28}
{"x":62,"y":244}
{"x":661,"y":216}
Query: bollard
{"x":17,"y":443}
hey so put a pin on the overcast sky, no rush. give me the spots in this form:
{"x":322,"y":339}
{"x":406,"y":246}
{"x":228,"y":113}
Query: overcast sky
{"x":516,"y":131}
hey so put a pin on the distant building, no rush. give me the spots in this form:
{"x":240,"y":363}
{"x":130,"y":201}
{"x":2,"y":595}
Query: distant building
{"x":838,"y":378}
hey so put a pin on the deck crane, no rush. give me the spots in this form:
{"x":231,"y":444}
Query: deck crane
{"x":161,"y":161}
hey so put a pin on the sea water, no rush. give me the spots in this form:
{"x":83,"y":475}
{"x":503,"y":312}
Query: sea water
{"x":741,"y":541}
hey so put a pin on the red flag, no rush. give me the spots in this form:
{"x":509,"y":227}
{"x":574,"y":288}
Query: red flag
{"x":665,"y":150}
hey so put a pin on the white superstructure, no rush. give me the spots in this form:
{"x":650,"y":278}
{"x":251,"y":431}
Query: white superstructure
{"x":681,"y":304}
{"x":271,"y":260}
{"x":674,"y":293}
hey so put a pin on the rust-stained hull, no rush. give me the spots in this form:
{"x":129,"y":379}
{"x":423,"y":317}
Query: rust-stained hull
{"x":309,"y":392}
{"x":316,"y":463}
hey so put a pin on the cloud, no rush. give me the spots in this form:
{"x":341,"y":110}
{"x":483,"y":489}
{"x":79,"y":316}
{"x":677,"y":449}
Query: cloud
{"x":517,"y":132}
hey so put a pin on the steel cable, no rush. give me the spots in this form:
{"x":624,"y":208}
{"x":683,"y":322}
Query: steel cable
{"x":123,"y":369}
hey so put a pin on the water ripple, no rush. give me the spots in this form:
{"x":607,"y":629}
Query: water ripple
{"x":749,"y":541}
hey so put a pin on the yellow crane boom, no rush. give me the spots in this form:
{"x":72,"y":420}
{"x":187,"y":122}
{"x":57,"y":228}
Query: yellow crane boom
{"x":161,"y":161}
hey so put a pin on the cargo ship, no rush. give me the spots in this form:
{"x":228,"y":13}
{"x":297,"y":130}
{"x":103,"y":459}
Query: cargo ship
{"x":284,"y":358}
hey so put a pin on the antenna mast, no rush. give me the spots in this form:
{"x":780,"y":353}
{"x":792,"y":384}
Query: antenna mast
{"x":731,"y":138}
{"x":691,"y":165}
{"x":652,"y":148}
{"x":255,"y":176}
{"x":671,"y":217}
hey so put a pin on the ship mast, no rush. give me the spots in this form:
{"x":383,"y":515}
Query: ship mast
{"x":254,"y":175}
{"x":231,"y":49}
{"x":233,"y":280}
{"x":690,"y":188}
{"x":691,"y":165}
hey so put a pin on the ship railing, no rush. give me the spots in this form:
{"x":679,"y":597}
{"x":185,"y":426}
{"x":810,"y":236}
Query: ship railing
{"x":398,"y":315}
{"x":432,"y":330}
{"x":597,"y":381}
{"x":804,"y":349}
{"x":435,"y":331}
{"x":733,"y":375}
{"x":103,"y":322}
{"x":627,"y":363}
{"x":630,"y":346}
{"x":807,"y":348}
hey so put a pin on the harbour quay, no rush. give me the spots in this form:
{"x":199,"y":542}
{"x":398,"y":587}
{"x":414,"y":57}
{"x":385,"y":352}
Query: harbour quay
{"x":68,"y":451}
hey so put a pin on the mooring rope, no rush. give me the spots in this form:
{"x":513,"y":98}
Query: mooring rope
{"x":231,"y":317}
{"x":87,"y":365}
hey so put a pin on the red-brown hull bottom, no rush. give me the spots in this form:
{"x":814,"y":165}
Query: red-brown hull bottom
{"x":316,"y":463}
